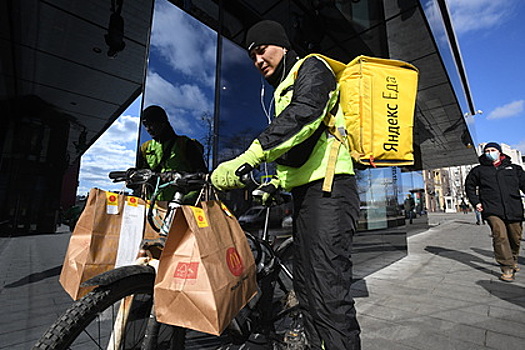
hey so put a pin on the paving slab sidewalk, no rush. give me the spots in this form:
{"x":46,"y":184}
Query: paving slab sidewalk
{"x":444,"y":295}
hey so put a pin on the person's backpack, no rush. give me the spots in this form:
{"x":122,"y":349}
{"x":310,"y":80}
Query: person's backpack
{"x":377,"y":97}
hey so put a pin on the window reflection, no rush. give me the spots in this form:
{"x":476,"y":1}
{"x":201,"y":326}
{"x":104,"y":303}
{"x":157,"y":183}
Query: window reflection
{"x":245,"y":110}
{"x":413,"y":184}
{"x":242,"y":115}
{"x":435,"y":21}
{"x":181,"y":78}
{"x":379,"y":198}
{"x":181,"y":73}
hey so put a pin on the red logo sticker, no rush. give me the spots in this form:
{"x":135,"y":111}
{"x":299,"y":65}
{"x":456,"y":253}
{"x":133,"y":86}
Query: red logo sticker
{"x":112,"y":198}
{"x":186,"y":271}
{"x":133,"y":200}
{"x":234,"y":261}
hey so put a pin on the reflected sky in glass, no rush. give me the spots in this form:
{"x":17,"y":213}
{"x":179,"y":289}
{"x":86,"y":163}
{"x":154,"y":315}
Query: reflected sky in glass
{"x":181,"y":77}
{"x":181,"y":71}
{"x":244,"y":92}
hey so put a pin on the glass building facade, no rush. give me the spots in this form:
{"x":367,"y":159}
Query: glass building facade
{"x":62,"y":88}
{"x":200,"y":73}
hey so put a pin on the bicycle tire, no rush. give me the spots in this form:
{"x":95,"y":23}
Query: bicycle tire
{"x":72,"y":329}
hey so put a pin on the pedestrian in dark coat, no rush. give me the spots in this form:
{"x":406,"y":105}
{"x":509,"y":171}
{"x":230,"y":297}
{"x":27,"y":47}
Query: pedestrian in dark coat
{"x":493,"y":188}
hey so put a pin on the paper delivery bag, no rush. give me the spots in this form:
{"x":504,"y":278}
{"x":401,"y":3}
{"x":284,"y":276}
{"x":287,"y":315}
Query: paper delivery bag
{"x":107,"y":235}
{"x":207,"y":271}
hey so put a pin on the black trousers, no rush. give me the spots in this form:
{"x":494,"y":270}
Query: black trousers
{"x":324,"y":225}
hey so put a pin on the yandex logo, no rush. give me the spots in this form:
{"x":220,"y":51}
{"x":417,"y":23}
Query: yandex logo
{"x":234,"y":261}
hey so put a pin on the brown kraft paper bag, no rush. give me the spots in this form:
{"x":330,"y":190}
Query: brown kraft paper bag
{"x":107,"y":235}
{"x":207,"y":271}
{"x":159,"y":213}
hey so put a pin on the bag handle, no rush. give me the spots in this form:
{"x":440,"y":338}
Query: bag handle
{"x":208,"y":192}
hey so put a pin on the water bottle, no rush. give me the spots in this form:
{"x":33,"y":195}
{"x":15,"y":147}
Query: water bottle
{"x":295,"y":339}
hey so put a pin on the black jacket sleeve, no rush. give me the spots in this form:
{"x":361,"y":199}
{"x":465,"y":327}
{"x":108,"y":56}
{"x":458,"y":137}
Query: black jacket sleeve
{"x":521,"y":177}
{"x":471,"y":186}
{"x":303,"y":116}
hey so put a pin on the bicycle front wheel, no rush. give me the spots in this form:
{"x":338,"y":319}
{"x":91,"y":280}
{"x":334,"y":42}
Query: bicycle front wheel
{"x":93,"y":321}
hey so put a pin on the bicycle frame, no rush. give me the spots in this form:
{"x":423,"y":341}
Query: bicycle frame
{"x":133,"y":284}
{"x":144,"y":259}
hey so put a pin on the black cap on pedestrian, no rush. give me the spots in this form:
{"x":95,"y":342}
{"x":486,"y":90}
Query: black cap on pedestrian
{"x":493,"y":145}
{"x":266,"y":32}
{"x":154,"y":114}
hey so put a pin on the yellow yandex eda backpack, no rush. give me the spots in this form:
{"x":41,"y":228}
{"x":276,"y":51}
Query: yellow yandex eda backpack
{"x":377,"y":97}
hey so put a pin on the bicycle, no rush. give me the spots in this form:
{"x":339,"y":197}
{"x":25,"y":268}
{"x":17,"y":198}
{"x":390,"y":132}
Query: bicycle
{"x":118,"y":313}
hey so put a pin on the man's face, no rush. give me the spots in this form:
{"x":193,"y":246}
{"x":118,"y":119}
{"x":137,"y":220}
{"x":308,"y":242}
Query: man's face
{"x":492,"y":153}
{"x":154,"y":128}
{"x":266,"y":58}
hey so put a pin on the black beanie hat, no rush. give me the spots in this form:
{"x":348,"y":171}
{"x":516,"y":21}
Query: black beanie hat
{"x":267,"y":33}
{"x":154,"y":114}
{"x":493,"y":145}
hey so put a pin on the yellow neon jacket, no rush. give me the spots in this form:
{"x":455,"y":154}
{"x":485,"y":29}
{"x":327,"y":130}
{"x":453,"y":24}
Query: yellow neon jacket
{"x":297,"y":139}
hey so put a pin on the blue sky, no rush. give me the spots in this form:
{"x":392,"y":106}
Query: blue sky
{"x":490,"y":35}
{"x":114,"y":150}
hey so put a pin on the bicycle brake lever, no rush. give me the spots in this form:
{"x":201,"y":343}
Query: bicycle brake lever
{"x":243,"y":172}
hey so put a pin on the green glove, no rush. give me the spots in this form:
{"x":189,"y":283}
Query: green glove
{"x":224,"y":178}
{"x":267,"y":194}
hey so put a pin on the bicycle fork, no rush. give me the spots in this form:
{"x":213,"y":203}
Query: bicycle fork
{"x":152,"y":332}
{"x":121,"y":321}
{"x":153,"y":326}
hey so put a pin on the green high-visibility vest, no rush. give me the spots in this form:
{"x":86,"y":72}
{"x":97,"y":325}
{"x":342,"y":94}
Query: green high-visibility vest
{"x":316,"y":165}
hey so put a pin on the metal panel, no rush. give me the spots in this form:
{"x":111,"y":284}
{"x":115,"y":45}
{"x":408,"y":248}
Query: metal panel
{"x":55,"y":50}
{"x":441,"y":131}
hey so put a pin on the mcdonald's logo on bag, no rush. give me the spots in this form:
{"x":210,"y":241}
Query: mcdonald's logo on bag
{"x":234,"y":261}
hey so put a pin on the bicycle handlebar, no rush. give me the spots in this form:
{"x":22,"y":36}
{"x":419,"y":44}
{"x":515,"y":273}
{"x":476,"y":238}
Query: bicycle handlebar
{"x":117,"y":176}
{"x":245,"y":173}
{"x":184,"y":182}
